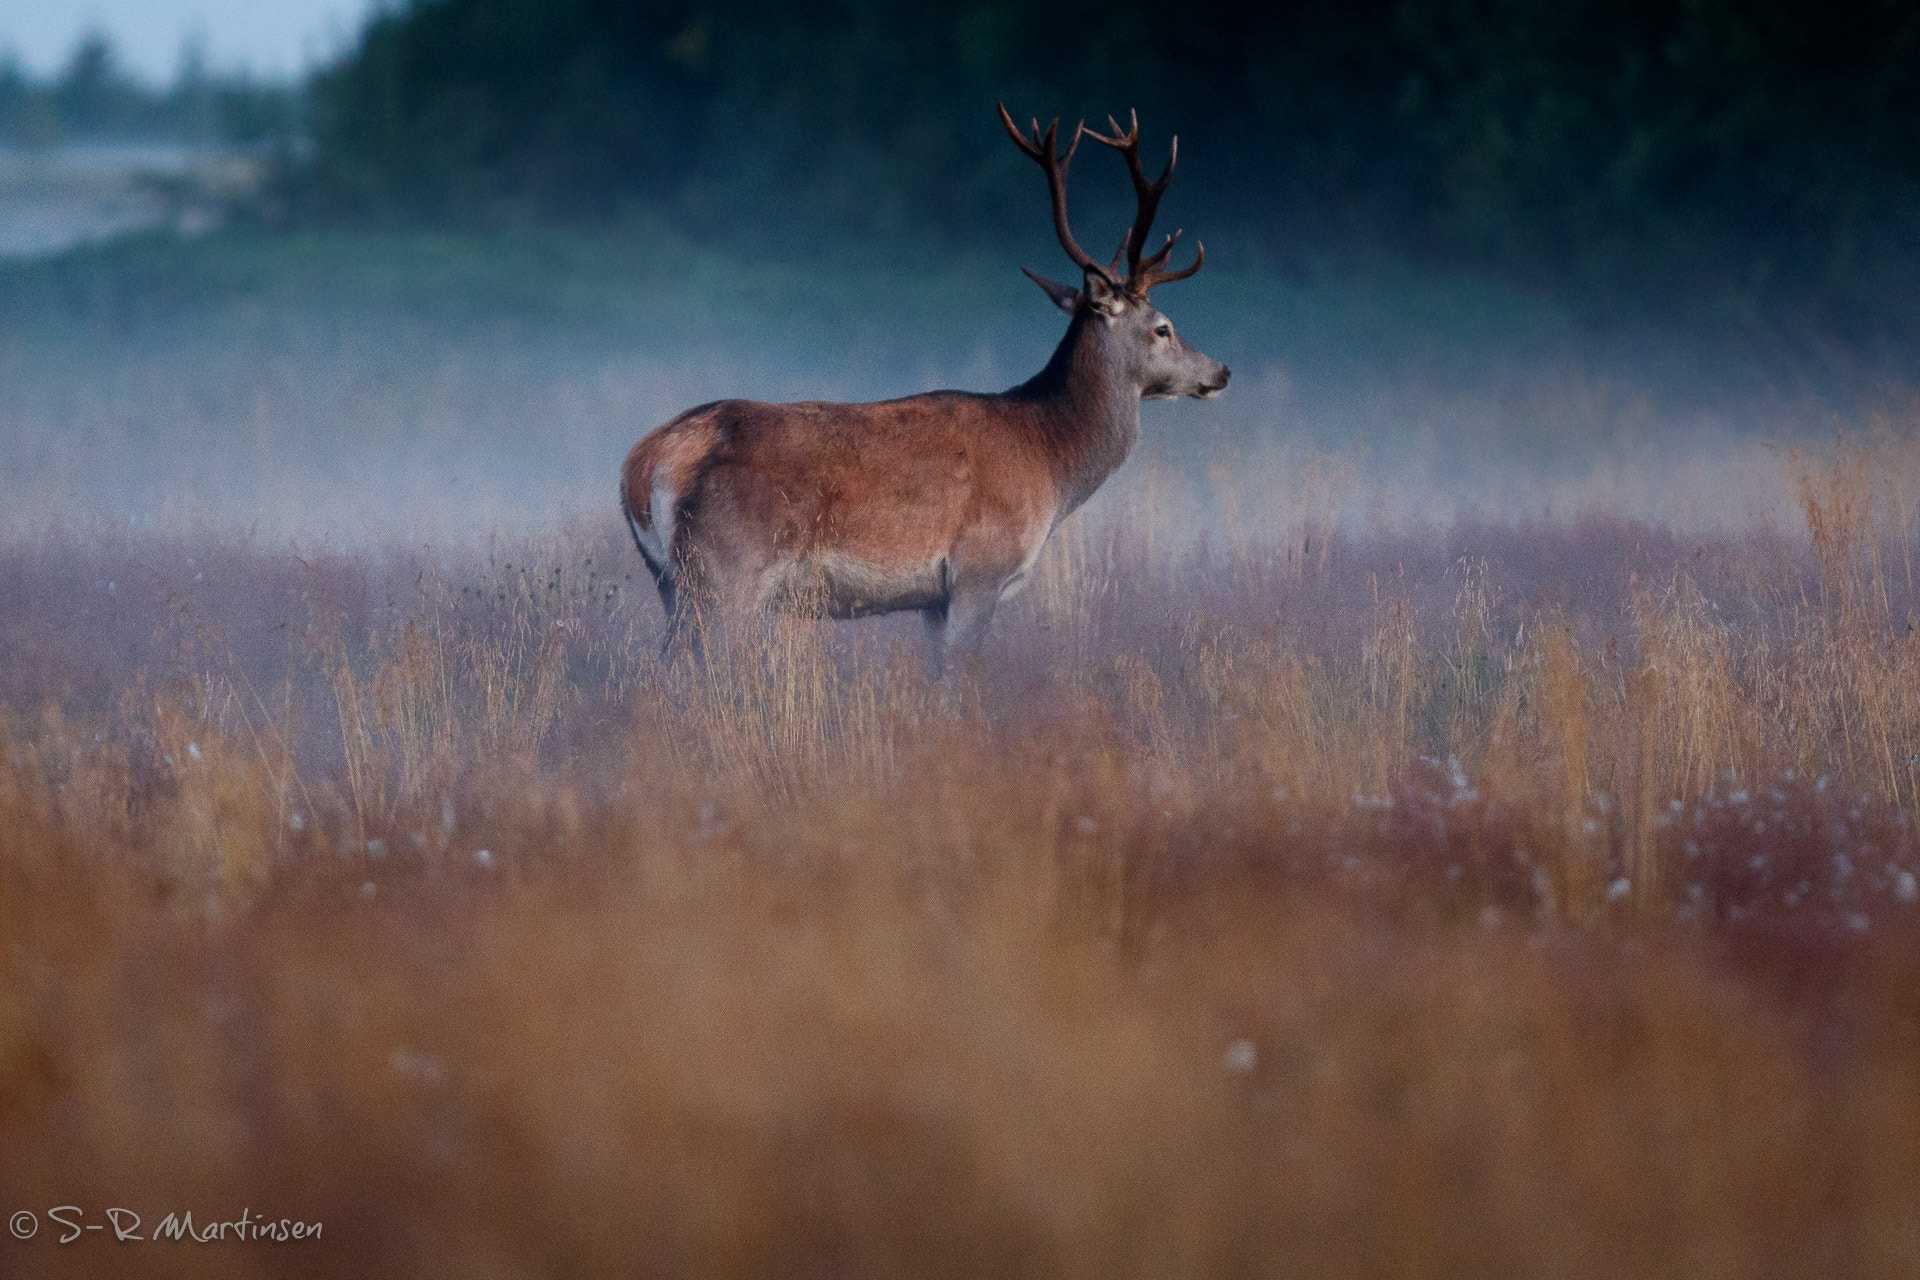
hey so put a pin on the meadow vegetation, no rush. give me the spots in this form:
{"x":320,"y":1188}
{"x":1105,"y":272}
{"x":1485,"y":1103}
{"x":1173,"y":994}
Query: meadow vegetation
{"x":1475,"y":899}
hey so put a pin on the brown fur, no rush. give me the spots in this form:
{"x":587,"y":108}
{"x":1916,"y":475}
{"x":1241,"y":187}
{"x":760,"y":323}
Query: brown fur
{"x":913,"y":493}
{"x":937,"y":502}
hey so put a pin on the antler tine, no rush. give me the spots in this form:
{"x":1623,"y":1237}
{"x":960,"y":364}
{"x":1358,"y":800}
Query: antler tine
{"x":1151,"y":264}
{"x":1073,"y":147}
{"x":1146,"y":193}
{"x":1031,"y":149}
{"x":1168,"y":277}
{"x":1042,"y":151}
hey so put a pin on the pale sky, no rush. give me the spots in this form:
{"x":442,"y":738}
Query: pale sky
{"x":268,"y":37}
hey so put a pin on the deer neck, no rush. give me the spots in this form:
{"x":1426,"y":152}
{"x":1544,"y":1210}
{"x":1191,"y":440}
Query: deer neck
{"x":1086,"y":407}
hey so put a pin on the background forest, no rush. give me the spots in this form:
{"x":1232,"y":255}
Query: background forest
{"x":1640,"y":151}
{"x":1695,"y":153}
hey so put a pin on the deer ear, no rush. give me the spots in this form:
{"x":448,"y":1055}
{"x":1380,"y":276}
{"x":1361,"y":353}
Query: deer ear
{"x":1064,"y":296}
{"x":1102,"y":296}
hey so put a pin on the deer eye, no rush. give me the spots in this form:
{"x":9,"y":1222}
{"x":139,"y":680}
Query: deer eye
{"x":1163,"y":331}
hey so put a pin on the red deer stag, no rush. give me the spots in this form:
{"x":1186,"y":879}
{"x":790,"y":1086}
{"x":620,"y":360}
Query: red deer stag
{"x":937,"y":502}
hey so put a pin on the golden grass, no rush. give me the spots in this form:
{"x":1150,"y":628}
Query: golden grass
{"x":1472,"y":901}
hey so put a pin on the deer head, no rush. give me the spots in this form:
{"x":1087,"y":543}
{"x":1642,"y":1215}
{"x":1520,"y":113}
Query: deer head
{"x":1137,"y":339}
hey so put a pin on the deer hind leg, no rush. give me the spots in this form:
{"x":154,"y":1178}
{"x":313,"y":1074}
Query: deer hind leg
{"x":688,"y":616}
{"x":692,"y":603}
{"x":664,"y":583}
{"x":718,"y":598}
{"x":679,"y":598}
{"x":683,"y":633}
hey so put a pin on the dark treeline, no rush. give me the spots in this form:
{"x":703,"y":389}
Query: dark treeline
{"x":94,"y":98}
{"x":1756,"y":150}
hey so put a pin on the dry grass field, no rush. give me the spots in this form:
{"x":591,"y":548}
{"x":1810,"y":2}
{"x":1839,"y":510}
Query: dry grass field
{"x":1478,"y":900}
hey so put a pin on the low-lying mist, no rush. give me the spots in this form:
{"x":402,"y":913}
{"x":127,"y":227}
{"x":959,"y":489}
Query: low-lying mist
{"x":343,"y":389}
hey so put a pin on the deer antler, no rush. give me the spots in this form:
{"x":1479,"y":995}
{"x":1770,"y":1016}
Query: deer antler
{"x":1040,"y":149}
{"x":1144,"y":273}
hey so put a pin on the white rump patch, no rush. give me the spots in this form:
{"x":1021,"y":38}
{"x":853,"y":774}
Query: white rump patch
{"x":659,"y":536}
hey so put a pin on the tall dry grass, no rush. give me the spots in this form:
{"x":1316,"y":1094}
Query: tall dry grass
{"x":1476,"y":900}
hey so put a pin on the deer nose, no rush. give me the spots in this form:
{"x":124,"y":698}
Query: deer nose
{"x":1218,"y":383}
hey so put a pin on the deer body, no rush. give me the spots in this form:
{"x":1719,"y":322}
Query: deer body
{"x":939,"y":502}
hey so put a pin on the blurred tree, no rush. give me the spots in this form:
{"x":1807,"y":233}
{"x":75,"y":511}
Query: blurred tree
{"x":93,"y":95}
{"x":191,"y":99}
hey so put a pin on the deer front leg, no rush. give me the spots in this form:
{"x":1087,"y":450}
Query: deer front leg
{"x":935,"y":616}
{"x":961,"y":625}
